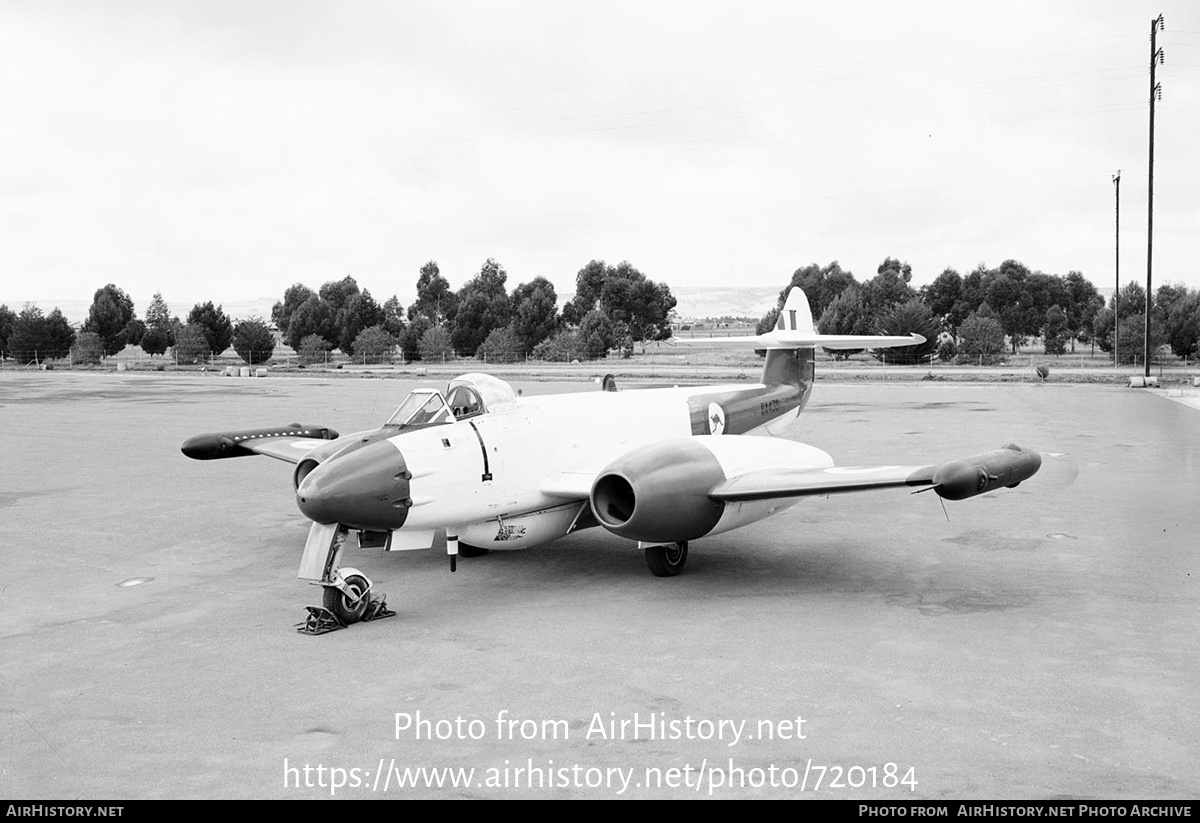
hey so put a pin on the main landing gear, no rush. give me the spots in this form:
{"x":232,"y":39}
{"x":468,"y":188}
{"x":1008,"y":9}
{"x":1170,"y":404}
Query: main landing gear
{"x":346,"y":597}
{"x":668,"y":560}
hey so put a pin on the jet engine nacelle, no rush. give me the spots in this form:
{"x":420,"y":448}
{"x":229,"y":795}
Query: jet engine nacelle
{"x":337,"y":447}
{"x":314,"y":458}
{"x":659,"y":493}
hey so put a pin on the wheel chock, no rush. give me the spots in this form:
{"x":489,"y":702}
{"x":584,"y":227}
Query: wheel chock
{"x":377,"y":610}
{"x":320,"y":620}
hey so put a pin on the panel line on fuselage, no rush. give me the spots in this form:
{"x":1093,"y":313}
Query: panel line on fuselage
{"x":487,"y":473}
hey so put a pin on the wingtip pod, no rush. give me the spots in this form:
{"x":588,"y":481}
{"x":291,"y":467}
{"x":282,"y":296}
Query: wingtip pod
{"x":228,"y":444}
{"x":987,"y":472}
{"x":211,"y":447}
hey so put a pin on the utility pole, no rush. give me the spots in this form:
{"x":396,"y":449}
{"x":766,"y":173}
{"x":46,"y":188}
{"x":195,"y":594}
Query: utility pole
{"x":1117,"y":290}
{"x":1156,"y":57}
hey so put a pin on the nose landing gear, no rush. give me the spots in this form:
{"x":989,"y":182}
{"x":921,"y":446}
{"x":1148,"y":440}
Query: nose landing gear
{"x":347,"y":597}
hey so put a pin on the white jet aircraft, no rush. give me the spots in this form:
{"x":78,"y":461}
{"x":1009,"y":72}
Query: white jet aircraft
{"x":491,"y":470}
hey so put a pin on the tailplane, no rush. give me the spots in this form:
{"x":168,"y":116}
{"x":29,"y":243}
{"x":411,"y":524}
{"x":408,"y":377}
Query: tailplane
{"x":795,"y":330}
{"x":791,"y":345}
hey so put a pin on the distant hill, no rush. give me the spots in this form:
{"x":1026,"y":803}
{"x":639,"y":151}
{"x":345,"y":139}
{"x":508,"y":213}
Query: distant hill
{"x":725,"y":301}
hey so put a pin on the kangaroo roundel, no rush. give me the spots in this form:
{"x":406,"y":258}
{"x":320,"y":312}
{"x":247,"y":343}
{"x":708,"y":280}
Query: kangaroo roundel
{"x":716,"y":418}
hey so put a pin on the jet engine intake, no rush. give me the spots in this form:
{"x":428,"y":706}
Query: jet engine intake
{"x":659,"y":493}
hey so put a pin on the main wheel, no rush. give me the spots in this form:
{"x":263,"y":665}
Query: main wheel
{"x":471,"y":551}
{"x":349,"y":605}
{"x":668,"y":560}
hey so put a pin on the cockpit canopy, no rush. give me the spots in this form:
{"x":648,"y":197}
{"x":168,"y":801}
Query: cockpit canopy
{"x":469,"y":395}
{"x":477,"y":393}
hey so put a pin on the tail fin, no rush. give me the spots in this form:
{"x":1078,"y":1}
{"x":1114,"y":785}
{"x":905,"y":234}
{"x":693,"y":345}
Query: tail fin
{"x":796,"y":316}
{"x":787,"y":366}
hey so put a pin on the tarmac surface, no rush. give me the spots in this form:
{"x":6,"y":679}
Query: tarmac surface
{"x":1040,"y":643}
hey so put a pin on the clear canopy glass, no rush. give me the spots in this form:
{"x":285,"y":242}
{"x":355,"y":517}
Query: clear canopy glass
{"x":470,"y":395}
{"x":422,"y":407}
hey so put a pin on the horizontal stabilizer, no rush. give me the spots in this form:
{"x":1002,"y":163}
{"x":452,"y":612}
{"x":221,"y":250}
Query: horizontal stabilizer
{"x":775,"y":340}
{"x":795,"y":330}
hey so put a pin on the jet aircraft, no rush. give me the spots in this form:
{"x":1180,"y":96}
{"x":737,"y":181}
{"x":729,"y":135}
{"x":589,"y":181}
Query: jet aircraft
{"x":489,"y":469}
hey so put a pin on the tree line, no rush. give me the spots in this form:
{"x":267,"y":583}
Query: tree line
{"x":31,"y":336}
{"x":978,"y":316}
{"x":614,"y":307}
{"x":974,"y":317}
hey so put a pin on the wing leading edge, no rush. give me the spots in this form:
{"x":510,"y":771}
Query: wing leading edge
{"x":955,"y":480}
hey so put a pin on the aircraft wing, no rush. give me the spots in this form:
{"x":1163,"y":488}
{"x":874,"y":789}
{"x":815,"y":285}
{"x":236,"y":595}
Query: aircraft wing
{"x":954,"y":480}
{"x":765,"y":484}
{"x":288,"y":443}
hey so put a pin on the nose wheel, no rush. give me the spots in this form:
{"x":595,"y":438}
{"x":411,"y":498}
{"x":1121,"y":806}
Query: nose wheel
{"x":349,"y":604}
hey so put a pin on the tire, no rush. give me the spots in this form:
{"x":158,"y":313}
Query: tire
{"x":471,"y":551}
{"x":668,"y":560}
{"x":348,"y":609}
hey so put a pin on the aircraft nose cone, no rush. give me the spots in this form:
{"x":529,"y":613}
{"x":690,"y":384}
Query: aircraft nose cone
{"x":365,"y":489}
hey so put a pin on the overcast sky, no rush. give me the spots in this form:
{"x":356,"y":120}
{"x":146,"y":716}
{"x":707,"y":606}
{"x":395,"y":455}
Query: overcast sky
{"x":224,"y":151}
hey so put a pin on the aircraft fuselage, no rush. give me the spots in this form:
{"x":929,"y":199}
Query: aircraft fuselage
{"x":492,"y":477}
